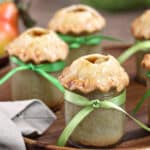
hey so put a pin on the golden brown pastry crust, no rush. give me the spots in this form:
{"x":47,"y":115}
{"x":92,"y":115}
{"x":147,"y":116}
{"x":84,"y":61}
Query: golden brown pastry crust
{"x":77,"y":19}
{"x":94,"y":72}
{"x":141,"y":26}
{"x":38,"y":45}
{"x":146,"y":61}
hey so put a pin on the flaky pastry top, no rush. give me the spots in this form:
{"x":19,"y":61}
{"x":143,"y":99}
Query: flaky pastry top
{"x":94,"y":72}
{"x":38,"y":45}
{"x":77,"y":19}
{"x":141,"y":26}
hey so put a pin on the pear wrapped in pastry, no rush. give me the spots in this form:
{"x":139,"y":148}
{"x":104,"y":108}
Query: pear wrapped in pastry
{"x":37,"y":46}
{"x":96,"y":77}
{"x":79,"y":25}
{"x":140,"y":29}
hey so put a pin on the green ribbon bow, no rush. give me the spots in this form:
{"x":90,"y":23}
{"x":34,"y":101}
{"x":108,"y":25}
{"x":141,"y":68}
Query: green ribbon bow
{"x":138,"y":47}
{"x":88,"y":107}
{"x":42,"y":69}
{"x":76,"y":42}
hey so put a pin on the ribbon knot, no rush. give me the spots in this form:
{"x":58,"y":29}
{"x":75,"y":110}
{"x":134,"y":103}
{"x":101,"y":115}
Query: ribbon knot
{"x":96,"y":103}
{"x":32,"y":67}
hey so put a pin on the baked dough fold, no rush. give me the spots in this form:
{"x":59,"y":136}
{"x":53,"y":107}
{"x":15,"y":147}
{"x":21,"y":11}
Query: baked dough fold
{"x":77,"y":19}
{"x":141,"y":26}
{"x":94,"y":72}
{"x":38,"y":45}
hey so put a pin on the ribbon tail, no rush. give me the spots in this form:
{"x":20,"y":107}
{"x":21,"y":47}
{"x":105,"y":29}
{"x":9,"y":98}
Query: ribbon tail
{"x":79,"y":100}
{"x":17,"y":61}
{"x":141,"y":46}
{"x":109,"y":38}
{"x":11,"y":73}
{"x":73,"y":124}
{"x":139,"y":104}
{"x":52,"y":79}
{"x":108,"y":104}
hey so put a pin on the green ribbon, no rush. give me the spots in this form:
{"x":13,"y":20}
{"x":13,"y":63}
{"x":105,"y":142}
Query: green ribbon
{"x":88,"y":107}
{"x":76,"y":42}
{"x":42,"y":69}
{"x":138,"y":47}
{"x":142,"y":100}
{"x":143,"y":46}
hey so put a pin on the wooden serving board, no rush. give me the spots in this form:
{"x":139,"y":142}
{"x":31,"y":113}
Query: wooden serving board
{"x":134,"y":136}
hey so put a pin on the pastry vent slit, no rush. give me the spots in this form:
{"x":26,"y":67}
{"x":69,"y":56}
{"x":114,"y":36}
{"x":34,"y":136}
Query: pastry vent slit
{"x":37,"y":33}
{"x":97,"y":60}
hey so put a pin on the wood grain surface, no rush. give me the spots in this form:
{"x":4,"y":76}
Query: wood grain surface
{"x":134,"y":137}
